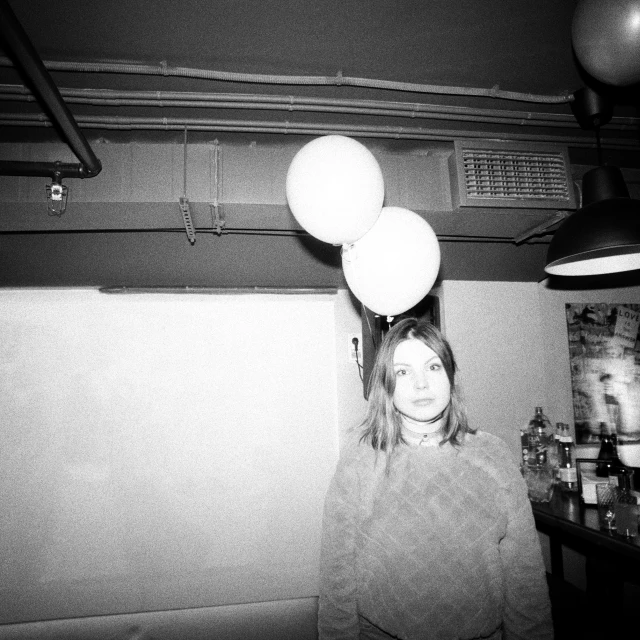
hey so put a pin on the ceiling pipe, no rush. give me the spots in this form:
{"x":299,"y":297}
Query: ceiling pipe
{"x":339,"y":80}
{"x":131,"y":123}
{"x":122,"y":98}
{"x":18,"y":43}
{"x":55,"y":170}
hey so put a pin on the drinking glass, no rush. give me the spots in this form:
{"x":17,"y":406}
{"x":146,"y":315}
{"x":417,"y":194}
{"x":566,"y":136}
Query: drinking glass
{"x":540,"y":481}
{"x":606,"y":497}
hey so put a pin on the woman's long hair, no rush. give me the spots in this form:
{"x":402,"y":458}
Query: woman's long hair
{"x":382,"y":425}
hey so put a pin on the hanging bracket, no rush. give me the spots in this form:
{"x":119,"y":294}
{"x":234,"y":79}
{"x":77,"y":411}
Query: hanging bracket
{"x":57,"y":195}
{"x":542,"y":227}
{"x":217,"y":219}
{"x":185,"y":209}
{"x":218,"y":222}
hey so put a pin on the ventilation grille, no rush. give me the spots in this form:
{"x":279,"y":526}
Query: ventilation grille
{"x":492,"y":174}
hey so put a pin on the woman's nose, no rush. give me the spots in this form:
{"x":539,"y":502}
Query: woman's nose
{"x":421,"y":381}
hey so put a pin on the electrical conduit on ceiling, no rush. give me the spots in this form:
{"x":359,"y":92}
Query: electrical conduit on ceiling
{"x":274,"y":127}
{"x":109,"y":97}
{"x":120,"y":98}
{"x":339,"y":80}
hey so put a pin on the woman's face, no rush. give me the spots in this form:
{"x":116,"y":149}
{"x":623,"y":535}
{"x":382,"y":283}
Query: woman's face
{"x":422,"y":387}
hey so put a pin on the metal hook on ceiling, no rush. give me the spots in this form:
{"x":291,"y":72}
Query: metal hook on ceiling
{"x":185,"y":207}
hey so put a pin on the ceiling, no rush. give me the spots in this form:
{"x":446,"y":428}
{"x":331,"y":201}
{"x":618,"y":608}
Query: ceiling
{"x":409,"y":72}
{"x":438,"y":53}
{"x":522,"y":46}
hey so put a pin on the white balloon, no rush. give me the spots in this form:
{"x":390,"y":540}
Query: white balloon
{"x":629,"y":453}
{"x":335,"y":189}
{"x":393,"y":266}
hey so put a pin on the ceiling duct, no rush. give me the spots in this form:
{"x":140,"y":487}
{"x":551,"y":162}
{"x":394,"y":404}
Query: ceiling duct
{"x":487,"y":173}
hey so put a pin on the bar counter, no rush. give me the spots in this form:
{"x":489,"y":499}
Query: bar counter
{"x":610,"y":560}
{"x":568,"y":517}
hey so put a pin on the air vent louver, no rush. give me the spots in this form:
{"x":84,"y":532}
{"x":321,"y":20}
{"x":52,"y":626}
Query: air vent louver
{"x":495,"y":174}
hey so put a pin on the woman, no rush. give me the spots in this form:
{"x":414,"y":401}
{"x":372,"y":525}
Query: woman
{"x":428,"y":531}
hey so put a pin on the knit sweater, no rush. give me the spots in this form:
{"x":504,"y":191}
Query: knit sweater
{"x":443,"y":547}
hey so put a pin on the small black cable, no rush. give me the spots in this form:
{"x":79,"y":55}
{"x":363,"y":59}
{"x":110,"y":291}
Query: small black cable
{"x":599,"y":145}
{"x":354,"y":342}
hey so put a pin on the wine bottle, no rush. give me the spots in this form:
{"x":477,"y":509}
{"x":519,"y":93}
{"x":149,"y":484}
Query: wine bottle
{"x":567,"y":466}
{"x":626,"y":505}
{"x":608,"y":455}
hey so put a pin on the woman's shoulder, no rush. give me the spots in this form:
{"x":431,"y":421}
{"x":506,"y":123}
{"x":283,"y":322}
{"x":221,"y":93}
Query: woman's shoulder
{"x":491,"y":449}
{"x":486,"y":441}
{"x":355,"y":450}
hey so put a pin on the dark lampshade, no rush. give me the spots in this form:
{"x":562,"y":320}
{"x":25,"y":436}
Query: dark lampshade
{"x":604,"y":235}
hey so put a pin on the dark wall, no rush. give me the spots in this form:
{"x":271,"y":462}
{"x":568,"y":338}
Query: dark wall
{"x":231,"y":260}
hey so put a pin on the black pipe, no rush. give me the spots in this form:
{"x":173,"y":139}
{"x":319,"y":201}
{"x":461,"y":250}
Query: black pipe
{"x":20,"y":46}
{"x":55,"y":170}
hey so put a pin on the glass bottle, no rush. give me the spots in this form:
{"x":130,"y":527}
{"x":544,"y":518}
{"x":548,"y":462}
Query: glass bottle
{"x":567,"y":467}
{"x":554,"y":451}
{"x":564,"y":432}
{"x":524,"y":443}
{"x":616,"y":465}
{"x":626,"y":505}
{"x":556,"y":437}
{"x":607,"y":462}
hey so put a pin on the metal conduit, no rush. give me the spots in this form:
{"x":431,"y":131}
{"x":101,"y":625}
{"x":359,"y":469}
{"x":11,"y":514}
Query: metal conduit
{"x":114,"y":98}
{"x":160,"y":99}
{"x":338,"y":80}
{"x":242,"y":100}
{"x":524,"y":119}
{"x":254,"y":126}
{"x":19,"y":44}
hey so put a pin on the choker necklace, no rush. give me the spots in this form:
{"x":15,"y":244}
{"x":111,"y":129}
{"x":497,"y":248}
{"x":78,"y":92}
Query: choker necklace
{"x":438,"y":417}
{"x":422,"y":439}
{"x":431,"y":421}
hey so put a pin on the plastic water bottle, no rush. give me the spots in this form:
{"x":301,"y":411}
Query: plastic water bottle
{"x":539,"y":439}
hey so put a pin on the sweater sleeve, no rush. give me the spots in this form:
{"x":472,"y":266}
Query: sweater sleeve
{"x":337,"y":611}
{"x":527,"y":614}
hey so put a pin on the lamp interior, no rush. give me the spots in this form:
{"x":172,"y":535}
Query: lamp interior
{"x":590,"y":263}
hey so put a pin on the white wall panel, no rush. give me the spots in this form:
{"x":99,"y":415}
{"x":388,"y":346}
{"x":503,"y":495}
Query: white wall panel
{"x":495,"y":331}
{"x":162,"y":451}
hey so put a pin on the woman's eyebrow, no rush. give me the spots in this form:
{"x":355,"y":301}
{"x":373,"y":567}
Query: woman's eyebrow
{"x":407,"y":364}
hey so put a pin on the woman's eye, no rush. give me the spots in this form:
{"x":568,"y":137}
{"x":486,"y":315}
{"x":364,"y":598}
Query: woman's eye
{"x":436,"y":366}
{"x":401,"y":372}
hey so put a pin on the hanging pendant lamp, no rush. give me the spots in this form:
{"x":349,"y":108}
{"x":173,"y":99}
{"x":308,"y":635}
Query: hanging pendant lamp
{"x":604,"y":235}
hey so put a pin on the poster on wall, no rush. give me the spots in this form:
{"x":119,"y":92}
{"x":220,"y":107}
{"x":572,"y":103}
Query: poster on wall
{"x":604,"y":353}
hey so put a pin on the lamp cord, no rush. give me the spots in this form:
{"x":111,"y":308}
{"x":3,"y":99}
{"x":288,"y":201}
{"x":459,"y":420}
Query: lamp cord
{"x":598,"y":145}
